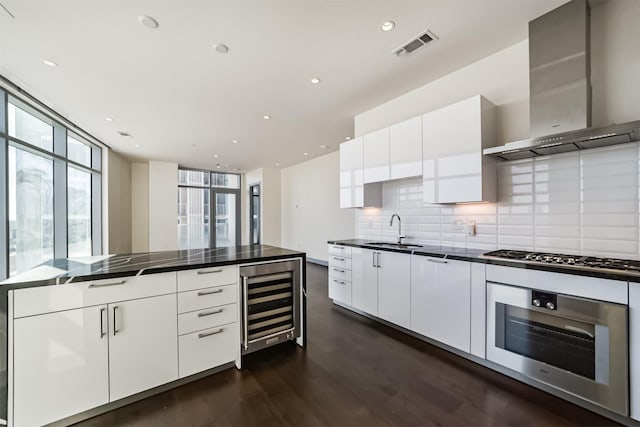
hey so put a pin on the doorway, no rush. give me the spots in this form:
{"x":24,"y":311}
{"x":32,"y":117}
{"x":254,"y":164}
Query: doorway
{"x":254,"y":214}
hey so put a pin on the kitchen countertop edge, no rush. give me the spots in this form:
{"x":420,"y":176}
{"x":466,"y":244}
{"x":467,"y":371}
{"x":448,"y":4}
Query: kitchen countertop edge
{"x":476,"y":255}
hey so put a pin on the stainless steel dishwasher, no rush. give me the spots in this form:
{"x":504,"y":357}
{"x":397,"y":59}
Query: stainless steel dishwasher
{"x":271,"y":304}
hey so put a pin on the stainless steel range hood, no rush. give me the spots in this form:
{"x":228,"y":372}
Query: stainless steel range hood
{"x":560,"y":89}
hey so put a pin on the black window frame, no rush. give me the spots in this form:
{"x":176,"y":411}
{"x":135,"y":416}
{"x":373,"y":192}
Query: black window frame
{"x":61,"y":164}
{"x":214,"y":190}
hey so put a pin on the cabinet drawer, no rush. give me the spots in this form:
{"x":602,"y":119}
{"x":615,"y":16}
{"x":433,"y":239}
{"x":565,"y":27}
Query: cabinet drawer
{"x":46,"y":299}
{"x":206,"y":277}
{"x":205,"y":298}
{"x":207,"y":349}
{"x":340,"y":290}
{"x":207,"y":318}
{"x":339,"y":250}
{"x":339,"y":273}
{"x":340,"y":261}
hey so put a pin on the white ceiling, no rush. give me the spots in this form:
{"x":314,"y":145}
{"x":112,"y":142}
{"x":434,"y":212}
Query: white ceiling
{"x":183,"y":102}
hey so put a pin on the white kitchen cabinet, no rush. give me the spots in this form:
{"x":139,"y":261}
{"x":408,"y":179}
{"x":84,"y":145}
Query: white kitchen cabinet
{"x":353,"y":192}
{"x":405,"y":148}
{"x":364,"y":280}
{"x":60,"y":365}
{"x":634,"y":349}
{"x":206,"y":349}
{"x":376,"y":156}
{"x":381,"y":284}
{"x":441,"y":300}
{"x":454,"y":169}
{"x":339,"y":273}
{"x":394,"y":288}
{"x":143,"y":348}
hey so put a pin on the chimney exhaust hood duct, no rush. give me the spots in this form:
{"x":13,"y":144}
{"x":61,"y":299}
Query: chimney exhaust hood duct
{"x":560,"y":89}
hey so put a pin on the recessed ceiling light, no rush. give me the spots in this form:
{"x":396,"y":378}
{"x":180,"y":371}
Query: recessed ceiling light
{"x":306,"y":154}
{"x":148,"y":21}
{"x":235,"y":141}
{"x":277,"y":164}
{"x":109,"y":119}
{"x":266,"y":117}
{"x":347,"y":138}
{"x":388,"y":26}
{"x":221,"y":47}
{"x":218,"y":167}
{"x":324,"y":146}
{"x":138,"y":145}
{"x":49,"y":62}
{"x":315,"y":80}
{"x":215,"y":155}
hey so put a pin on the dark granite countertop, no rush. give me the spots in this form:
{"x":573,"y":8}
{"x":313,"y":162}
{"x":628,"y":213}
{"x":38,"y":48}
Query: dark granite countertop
{"x":70,"y":270}
{"x":477,"y":255}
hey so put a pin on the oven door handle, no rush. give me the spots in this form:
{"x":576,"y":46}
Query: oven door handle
{"x":579,"y":330}
{"x":245,"y":323}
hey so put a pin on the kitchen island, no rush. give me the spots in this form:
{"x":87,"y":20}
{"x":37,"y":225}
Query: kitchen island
{"x":86,"y":335}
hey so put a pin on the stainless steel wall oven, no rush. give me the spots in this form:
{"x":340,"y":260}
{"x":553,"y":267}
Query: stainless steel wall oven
{"x":575,"y":344}
{"x":271,"y":309}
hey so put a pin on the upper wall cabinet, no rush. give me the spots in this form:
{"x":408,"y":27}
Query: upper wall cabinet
{"x":454,"y":169}
{"x":353,"y":192}
{"x":405,"y":148}
{"x":376,"y":156}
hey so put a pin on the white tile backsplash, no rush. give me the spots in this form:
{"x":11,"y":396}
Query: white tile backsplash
{"x":585,"y":202}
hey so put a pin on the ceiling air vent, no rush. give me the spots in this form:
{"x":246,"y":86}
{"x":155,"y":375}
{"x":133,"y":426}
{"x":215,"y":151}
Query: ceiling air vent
{"x":415,"y":44}
{"x":123,"y":133}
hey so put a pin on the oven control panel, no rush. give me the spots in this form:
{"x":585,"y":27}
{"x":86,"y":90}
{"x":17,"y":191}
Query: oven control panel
{"x":544,"y":300}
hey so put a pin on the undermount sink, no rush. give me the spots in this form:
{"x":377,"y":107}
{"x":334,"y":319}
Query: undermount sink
{"x":394,"y":245}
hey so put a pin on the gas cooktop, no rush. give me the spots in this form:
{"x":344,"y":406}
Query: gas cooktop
{"x":580,"y":261}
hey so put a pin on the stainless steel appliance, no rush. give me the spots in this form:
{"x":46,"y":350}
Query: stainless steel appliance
{"x":271,"y":309}
{"x":574,"y":344}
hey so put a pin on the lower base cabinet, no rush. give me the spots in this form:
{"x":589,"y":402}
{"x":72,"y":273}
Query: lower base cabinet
{"x":143,"y":350}
{"x":634,"y":349}
{"x":441,"y":300}
{"x":60,"y":365}
{"x":71,"y":361}
{"x":208,"y":348}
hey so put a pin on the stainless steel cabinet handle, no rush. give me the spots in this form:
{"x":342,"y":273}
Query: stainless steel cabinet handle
{"x":102,"y":333}
{"x":115,"y":329}
{"x":340,"y":248}
{"x":209,"y":313}
{"x":338,"y":270}
{"x":378,"y":259}
{"x":217,"y":291}
{"x":208,"y":334}
{"x":210,"y":271}
{"x":339,"y":281}
{"x":245,"y":297}
{"x":373,"y":259}
{"x":439,"y":261}
{"x":102,"y":285}
{"x":338,"y":259}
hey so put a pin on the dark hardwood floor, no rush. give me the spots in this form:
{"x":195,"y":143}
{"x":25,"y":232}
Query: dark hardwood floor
{"x":354,"y":372}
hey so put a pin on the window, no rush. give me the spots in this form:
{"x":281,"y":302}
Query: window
{"x":196,"y":190}
{"x":29,"y":128}
{"x":52,"y":189}
{"x":30,"y":210}
{"x":79,"y":212}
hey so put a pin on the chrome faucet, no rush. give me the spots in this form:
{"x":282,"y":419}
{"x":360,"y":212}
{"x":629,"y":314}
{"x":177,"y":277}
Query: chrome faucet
{"x":400,"y":235}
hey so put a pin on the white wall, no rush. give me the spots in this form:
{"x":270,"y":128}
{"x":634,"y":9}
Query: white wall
{"x":119,"y":206}
{"x":139,"y":207}
{"x":270,"y":199}
{"x":311,"y":212}
{"x":163,"y":202}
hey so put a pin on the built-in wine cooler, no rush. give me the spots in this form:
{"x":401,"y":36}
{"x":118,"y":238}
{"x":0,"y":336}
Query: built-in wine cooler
{"x":271,"y":309}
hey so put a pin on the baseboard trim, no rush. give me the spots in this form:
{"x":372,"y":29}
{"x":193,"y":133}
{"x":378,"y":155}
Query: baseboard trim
{"x":317,"y":261}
